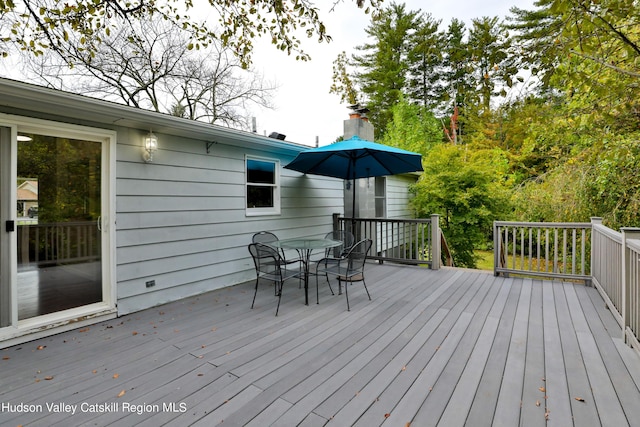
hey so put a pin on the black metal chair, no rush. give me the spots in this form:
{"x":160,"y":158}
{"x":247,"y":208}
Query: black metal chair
{"x":333,"y":255}
{"x":267,"y":238}
{"x":270,"y":266}
{"x":348,"y":269}
{"x":347,"y":239}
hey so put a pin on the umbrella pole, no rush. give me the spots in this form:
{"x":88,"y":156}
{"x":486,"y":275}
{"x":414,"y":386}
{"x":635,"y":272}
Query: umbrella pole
{"x":353,"y":207}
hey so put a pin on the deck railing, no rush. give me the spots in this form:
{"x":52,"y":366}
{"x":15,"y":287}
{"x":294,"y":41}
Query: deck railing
{"x":616,"y":275}
{"x":592,"y":252}
{"x":548,"y":249}
{"x":631,"y":286}
{"x":408,"y":241}
{"x":56,"y":243}
{"x":606,"y":266}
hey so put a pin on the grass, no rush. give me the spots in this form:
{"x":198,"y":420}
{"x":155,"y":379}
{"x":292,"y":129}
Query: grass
{"x":485,"y":260}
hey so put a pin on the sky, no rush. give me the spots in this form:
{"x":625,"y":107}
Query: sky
{"x":304,"y":108}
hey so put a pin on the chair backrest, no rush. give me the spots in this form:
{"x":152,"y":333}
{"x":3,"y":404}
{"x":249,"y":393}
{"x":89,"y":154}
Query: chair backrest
{"x":346,"y":237}
{"x":357,"y":256}
{"x":264,"y":237}
{"x":267,"y":260}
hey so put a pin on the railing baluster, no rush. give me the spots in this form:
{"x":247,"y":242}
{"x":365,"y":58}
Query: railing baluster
{"x":582,"y":251}
{"x":515,"y":256}
{"x":530,"y":248}
{"x":522,"y":248}
{"x":546,"y":250}
{"x":564,"y":251}
{"x":538,"y":249}
{"x":573,"y":252}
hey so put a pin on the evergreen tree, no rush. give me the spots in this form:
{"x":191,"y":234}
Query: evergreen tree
{"x":457,"y":83}
{"x":488,"y":47}
{"x":424,"y":81}
{"x":383,"y":63}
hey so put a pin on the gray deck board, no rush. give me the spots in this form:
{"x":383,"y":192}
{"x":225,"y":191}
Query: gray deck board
{"x":414,"y":363}
{"x":610,"y":408}
{"x":466,"y":388}
{"x":534,"y":400}
{"x":508,"y":407}
{"x":431,"y":410}
{"x":580,"y":394}
{"x":625,"y":387}
{"x":483,"y":406}
{"x":557,"y":390}
{"x":451,"y":347}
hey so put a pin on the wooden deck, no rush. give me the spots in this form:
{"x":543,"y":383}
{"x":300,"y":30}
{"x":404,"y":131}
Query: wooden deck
{"x":450,"y":347}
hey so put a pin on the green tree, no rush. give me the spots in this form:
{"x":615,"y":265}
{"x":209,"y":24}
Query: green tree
{"x":425,"y":64}
{"x":412,"y":128}
{"x":382,"y":66}
{"x":343,"y":84}
{"x":491,"y":65}
{"x":456,"y":78}
{"x":466,"y":188}
{"x":590,"y":49}
{"x":37,"y":25}
{"x":611,"y":188}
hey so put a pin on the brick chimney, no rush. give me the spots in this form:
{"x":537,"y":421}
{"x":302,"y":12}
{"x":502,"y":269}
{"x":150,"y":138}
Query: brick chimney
{"x":358,"y":123}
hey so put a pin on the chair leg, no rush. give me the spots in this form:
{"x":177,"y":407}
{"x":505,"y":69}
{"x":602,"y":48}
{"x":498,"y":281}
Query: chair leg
{"x":255,"y":293}
{"x":365,"y":288}
{"x":346,"y":292}
{"x":329,"y":283}
{"x":279,"y":297}
{"x":317,"y":291}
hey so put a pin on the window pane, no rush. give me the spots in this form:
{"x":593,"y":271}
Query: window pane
{"x":259,"y":197}
{"x":260,"y":172}
{"x":380,"y":208}
{"x":380,"y":185}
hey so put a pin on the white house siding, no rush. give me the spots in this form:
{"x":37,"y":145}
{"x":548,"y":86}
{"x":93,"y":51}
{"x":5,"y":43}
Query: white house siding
{"x":398,"y":196}
{"x":181,"y":219}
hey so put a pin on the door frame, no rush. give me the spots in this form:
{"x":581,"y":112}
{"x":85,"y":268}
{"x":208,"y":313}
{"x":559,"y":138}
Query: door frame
{"x":27,"y":329}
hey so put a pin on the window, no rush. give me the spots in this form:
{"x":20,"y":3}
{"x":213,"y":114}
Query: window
{"x":380,"y":197}
{"x":263,"y":190}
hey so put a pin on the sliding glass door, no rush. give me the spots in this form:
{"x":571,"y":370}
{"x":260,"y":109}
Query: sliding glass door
{"x":53,"y":233}
{"x":58,"y":228}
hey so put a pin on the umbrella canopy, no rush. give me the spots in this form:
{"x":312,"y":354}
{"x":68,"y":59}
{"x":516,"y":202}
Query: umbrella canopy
{"x":356,"y":158}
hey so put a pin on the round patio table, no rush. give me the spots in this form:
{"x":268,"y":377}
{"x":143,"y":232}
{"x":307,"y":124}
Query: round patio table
{"x":304,"y":247}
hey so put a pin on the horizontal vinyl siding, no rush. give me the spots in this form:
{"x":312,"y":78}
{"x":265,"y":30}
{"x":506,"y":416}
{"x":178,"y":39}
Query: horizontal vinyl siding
{"x":181,"y":219}
{"x":398,"y":196}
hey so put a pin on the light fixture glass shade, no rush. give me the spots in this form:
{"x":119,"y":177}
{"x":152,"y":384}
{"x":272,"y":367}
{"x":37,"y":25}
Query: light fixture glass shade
{"x":150,"y":146}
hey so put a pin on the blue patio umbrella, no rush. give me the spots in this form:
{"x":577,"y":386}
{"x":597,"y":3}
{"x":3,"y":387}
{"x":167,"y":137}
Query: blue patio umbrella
{"x":356,"y":158}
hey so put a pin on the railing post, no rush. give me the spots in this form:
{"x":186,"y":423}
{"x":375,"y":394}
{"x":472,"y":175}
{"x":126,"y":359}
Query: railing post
{"x":336,"y":222}
{"x":627,"y":312}
{"x":496,"y":249}
{"x":435,"y":242}
{"x":595,"y":220}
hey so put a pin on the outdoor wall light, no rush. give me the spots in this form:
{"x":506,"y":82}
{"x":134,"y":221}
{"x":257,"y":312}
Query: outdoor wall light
{"x":150,"y":147}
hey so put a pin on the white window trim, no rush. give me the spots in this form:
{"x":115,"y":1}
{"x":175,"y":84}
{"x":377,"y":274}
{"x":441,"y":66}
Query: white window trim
{"x":275,"y":210}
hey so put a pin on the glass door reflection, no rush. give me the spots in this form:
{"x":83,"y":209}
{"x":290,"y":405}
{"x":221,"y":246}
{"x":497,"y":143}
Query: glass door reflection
{"x":58,"y":237}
